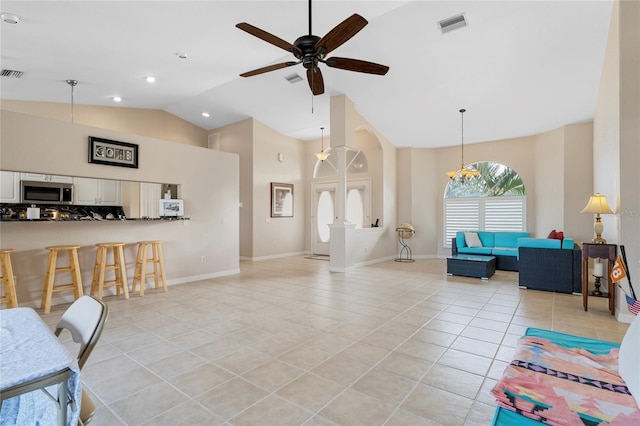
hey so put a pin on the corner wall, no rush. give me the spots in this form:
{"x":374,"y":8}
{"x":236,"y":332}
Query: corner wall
{"x":616,"y":142}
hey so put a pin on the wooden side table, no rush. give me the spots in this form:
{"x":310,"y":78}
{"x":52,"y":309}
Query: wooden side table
{"x":604,"y":251}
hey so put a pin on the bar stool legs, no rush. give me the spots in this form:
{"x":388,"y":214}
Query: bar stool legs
{"x":140,"y":271}
{"x":52,"y":269}
{"x":10,"y":299}
{"x":119,"y":268}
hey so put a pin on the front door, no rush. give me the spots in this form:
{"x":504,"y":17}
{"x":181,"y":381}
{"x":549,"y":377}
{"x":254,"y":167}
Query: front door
{"x":324,"y":214}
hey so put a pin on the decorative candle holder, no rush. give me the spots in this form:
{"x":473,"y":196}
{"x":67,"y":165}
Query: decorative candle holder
{"x":598,"y":273}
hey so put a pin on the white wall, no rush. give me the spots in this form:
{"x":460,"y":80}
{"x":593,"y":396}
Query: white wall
{"x":616,"y":143}
{"x":549,"y":182}
{"x":208,"y":183}
{"x":280,"y":235}
{"x":238,"y":138}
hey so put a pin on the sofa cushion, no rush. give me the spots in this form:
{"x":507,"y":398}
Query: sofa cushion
{"x":539,"y":243}
{"x":508,"y":239}
{"x":504,"y":251}
{"x":475,"y":250}
{"x":472,"y":240}
{"x":487,"y":238}
{"x":568,"y":243}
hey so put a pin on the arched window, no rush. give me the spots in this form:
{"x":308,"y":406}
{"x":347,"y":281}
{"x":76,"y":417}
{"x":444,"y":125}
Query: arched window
{"x":492,"y":201}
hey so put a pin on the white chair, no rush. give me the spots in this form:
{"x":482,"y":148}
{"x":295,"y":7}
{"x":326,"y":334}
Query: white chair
{"x":85,"y":319}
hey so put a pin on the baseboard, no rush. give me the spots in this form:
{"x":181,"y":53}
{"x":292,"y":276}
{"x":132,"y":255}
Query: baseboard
{"x":275,"y":256}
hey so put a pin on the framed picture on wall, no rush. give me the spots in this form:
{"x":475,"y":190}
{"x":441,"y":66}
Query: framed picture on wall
{"x":113,"y":153}
{"x":171,"y":207}
{"x":281,"y":199}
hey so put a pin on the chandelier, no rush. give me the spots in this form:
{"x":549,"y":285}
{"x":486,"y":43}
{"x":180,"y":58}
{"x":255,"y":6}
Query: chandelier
{"x":322,"y":155}
{"x":462,"y":174}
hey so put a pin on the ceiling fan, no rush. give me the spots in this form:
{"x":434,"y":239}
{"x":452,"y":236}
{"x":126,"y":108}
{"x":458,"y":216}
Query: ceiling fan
{"x":310,"y":50}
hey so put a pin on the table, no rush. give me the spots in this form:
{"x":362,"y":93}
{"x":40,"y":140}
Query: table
{"x":471,"y":266}
{"x":32,"y":359}
{"x":605,"y":251}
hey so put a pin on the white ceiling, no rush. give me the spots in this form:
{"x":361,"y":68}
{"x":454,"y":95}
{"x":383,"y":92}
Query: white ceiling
{"x":519,"y":68}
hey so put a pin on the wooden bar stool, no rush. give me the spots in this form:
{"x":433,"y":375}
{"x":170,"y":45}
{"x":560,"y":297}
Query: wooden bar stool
{"x":9,"y":298}
{"x":119,"y":268}
{"x":53,"y":269}
{"x":140,"y":272}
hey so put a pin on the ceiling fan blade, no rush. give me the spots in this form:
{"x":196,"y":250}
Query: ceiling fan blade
{"x":316,"y":82}
{"x":268,"y":68}
{"x":357,"y":65}
{"x":341,"y":33}
{"x":268,"y":37}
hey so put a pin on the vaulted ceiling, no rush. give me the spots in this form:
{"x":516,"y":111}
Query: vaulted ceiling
{"x":519,"y":67}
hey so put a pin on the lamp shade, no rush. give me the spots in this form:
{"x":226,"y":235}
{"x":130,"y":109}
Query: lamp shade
{"x":597,"y":205}
{"x":322,"y":155}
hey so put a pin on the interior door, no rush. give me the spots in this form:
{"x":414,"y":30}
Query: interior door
{"x":323,"y":216}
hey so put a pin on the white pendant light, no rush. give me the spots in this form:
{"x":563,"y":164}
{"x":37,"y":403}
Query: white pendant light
{"x":322,"y":155}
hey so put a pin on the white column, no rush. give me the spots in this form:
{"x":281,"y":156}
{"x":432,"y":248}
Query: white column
{"x":340,"y":250}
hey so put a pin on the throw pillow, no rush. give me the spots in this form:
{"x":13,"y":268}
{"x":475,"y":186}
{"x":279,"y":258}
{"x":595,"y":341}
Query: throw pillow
{"x":556,"y":235}
{"x":472,"y":239}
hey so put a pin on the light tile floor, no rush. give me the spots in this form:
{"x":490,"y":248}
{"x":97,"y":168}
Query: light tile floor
{"x":287,"y":342}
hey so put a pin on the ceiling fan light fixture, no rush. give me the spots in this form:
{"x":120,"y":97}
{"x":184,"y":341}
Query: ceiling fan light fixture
{"x":310,"y":51}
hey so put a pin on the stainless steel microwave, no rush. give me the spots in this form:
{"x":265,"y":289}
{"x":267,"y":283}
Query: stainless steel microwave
{"x":46,"y":192}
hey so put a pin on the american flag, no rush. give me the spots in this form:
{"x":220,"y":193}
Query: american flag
{"x":633,"y":305}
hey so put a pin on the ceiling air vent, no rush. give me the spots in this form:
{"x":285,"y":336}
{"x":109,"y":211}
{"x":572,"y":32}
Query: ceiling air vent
{"x":293,"y":78}
{"x":452,"y":23}
{"x":12,"y":73}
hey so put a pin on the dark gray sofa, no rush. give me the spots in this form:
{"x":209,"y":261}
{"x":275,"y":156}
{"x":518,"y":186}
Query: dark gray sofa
{"x":550,"y":269}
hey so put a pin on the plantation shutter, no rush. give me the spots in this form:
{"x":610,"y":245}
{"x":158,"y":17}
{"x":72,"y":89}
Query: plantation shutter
{"x":506,"y":213}
{"x":461,"y":214}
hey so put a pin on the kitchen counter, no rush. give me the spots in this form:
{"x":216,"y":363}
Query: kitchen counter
{"x":73,"y":213}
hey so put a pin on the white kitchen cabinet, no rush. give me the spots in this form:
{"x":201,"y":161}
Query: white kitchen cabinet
{"x":9,"y":187}
{"x":40,"y":177}
{"x":88,"y":191}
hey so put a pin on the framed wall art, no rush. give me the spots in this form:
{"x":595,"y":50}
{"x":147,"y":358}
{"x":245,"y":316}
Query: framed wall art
{"x":171,"y":207}
{"x":113,"y":153}
{"x":281,"y":199}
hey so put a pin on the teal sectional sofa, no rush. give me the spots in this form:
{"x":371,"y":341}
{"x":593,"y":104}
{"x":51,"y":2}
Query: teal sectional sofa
{"x":543,"y":263}
{"x":501,"y":244}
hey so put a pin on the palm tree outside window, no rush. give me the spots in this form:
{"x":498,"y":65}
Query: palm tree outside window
{"x":495,"y":200}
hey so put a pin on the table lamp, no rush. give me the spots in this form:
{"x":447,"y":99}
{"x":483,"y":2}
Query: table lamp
{"x":597,"y":205}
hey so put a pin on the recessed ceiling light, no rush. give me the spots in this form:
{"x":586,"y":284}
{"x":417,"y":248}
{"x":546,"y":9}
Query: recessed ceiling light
{"x":150,"y":79}
{"x":206,"y":114}
{"x":181,"y":55}
{"x":117,"y":99}
{"x":10,"y":18}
